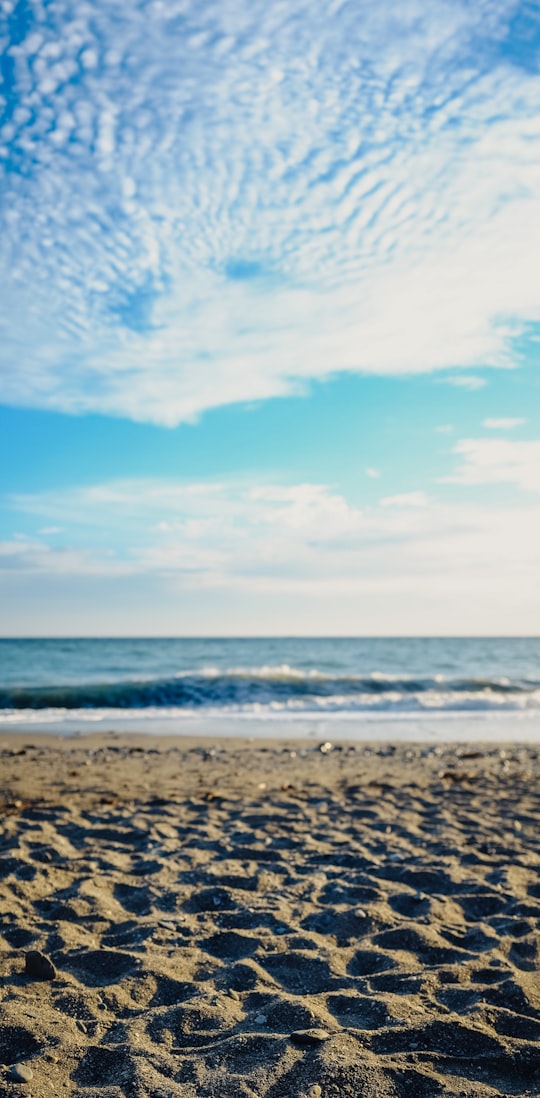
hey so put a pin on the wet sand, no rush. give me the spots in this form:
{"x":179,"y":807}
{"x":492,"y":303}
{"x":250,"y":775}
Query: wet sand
{"x":273,"y":920}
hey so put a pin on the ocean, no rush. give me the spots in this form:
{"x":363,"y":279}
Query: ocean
{"x":449,"y":688}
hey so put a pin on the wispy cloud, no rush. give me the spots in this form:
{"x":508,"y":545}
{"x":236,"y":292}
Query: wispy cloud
{"x":28,"y":556}
{"x":504,"y":423}
{"x":466,"y":381}
{"x":213,"y":203}
{"x":406,"y":499}
{"x":305,"y":539}
{"x":499,"y":461}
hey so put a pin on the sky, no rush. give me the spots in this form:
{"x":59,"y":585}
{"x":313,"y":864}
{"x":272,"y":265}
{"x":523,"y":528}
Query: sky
{"x":269,"y":317}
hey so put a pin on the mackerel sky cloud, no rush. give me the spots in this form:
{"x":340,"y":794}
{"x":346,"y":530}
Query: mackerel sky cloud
{"x":204,"y":204}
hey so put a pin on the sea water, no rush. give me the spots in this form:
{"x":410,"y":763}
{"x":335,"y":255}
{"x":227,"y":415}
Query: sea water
{"x":485,"y":688}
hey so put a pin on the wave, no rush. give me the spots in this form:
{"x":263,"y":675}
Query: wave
{"x":280,"y":688}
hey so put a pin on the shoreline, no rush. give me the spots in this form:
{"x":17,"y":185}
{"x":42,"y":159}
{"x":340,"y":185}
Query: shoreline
{"x":450,"y":727}
{"x":278,"y":919}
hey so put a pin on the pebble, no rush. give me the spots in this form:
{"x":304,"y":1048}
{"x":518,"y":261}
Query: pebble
{"x":234,"y":994}
{"x":260,"y":1019}
{"x":325,"y":748}
{"x":309,"y":1037}
{"x":21,"y":1073}
{"x":38,"y":966}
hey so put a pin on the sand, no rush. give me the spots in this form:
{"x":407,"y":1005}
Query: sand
{"x":275,"y":920}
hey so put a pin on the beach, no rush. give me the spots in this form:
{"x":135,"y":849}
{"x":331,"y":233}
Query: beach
{"x":274,"y":919}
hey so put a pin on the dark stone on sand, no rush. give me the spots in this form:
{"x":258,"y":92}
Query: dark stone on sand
{"x":309,"y":1038}
{"x":38,"y":966}
{"x":21,"y":1073}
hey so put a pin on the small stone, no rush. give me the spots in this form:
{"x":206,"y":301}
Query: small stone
{"x":21,"y":1073}
{"x":260,"y":1019}
{"x":38,"y":966}
{"x":309,"y":1037}
{"x":314,"y":1091}
{"x":326,"y":748}
{"x":233,"y":994}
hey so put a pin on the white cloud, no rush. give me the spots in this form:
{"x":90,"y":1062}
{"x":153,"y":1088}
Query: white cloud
{"x":303,"y":537}
{"x":37,"y":557}
{"x":466,"y":381}
{"x":498,"y":461}
{"x":504,"y":423}
{"x":221,"y":558}
{"x":373,"y":474}
{"x":216,"y":203}
{"x":406,"y":499}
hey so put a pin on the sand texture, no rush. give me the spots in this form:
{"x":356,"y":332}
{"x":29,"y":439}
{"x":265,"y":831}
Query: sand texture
{"x":273,"y":921}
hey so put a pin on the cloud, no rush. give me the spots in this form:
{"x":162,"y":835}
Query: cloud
{"x":303,"y":539}
{"x":504,"y":423}
{"x":211,"y":204}
{"x":406,"y":499}
{"x":466,"y":381}
{"x":498,"y":461}
{"x":36,"y":557}
{"x":373,"y":474}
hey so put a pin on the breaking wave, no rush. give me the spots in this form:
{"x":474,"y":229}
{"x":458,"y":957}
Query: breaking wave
{"x":281,"y":688}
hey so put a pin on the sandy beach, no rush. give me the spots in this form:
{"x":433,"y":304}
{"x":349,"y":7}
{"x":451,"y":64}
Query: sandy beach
{"x":277,"y":920}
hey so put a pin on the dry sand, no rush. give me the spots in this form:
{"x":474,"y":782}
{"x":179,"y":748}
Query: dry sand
{"x":203,"y":904}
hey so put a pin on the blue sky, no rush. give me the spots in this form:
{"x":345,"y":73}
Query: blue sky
{"x":269,"y":317}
